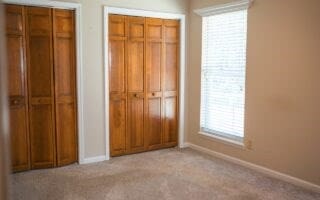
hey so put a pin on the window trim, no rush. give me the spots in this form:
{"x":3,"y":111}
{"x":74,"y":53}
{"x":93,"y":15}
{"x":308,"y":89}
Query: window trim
{"x":224,"y":8}
{"x":221,"y":138}
{"x":225,"y":138}
{"x":222,"y":134}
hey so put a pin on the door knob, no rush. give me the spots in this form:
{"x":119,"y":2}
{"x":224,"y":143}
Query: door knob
{"x":153,"y":94}
{"x":135,"y":95}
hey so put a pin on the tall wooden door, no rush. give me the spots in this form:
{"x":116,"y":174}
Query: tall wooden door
{"x":135,"y":84}
{"x":18,"y":99}
{"x":154,"y":66}
{"x":41,"y":86}
{"x":117,"y":83}
{"x":143,"y":74}
{"x":65,"y":92}
{"x":170,"y":82}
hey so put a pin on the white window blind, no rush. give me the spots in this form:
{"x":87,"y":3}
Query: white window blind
{"x":224,"y":38}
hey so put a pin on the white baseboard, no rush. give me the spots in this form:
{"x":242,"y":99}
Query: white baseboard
{"x":94,"y":159}
{"x":264,"y":170}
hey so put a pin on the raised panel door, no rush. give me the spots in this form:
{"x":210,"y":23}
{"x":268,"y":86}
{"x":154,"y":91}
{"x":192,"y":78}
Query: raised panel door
{"x":117,"y":110}
{"x":135,"y":54}
{"x":65,"y":90}
{"x":135,"y":124}
{"x":154,"y":40}
{"x":17,"y":87}
{"x":170,"y":81}
{"x":117,"y":83}
{"x":41,"y":86}
{"x":170,"y":133}
{"x":136,"y":84}
{"x":153,"y":122}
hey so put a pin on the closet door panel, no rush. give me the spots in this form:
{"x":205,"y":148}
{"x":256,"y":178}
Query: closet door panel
{"x":154,"y":39}
{"x":64,"y":67}
{"x":66,"y":133}
{"x":41,"y":88}
{"x":117,"y":65}
{"x":153,"y":122}
{"x":153,"y":66}
{"x":135,"y":136}
{"x":40,"y":69}
{"x":135,"y":66}
{"x":170,"y":122}
{"x":16,"y":69}
{"x":171,"y":64}
{"x":14,"y":19}
{"x":154,"y":29}
{"x":17,"y":87}
{"x":117,"y":84}
{"x":117,"y":126}
{"x":65,"y":92}
{"x":41,"y":134}
{"x":117,"y":26}
{"x":170,"y":82}
{"x":19,"y":138}
{"x":135,"y":54}
{"x":135,"y":84}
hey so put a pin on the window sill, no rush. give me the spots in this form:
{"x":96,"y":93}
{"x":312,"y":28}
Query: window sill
{"x":217,"y":138}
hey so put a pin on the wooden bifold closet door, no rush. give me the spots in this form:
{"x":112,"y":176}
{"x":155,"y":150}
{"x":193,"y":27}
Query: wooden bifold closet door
{"x":17,"y":87}
{"x":65,"y":86}
{"x":41,"y":86}
{"x":41,"y":60}
{"x":143,"y":83}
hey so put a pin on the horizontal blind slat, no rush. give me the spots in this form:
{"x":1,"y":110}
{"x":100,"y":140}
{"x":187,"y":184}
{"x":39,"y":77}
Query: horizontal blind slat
{"x":223,"y":72}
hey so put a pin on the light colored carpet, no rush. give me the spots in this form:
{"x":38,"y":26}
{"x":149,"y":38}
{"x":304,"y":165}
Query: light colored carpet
{"x":169,"y":174}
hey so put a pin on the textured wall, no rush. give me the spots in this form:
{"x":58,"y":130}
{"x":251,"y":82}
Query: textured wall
{"x":282,"y":87}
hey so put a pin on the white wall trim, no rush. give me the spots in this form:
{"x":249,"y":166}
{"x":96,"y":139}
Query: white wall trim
{"x":94,"y":159}
{"x":224,"y":8}
{"x":145,"y":13}
{"x":261,"y":169}
{"x":79,"y":73}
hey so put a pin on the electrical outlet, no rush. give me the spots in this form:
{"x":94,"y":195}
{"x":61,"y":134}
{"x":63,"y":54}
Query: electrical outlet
{"x":248,"y":144}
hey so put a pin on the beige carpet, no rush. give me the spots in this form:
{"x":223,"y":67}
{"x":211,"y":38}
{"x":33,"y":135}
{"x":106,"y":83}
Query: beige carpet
{"x":166,"y":174}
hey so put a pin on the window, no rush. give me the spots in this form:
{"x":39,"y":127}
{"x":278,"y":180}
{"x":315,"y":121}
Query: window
{"x":224,"y":38}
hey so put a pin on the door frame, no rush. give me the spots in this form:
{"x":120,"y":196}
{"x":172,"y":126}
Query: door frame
{"x":79,"y":71}
{"x":182,"y":68}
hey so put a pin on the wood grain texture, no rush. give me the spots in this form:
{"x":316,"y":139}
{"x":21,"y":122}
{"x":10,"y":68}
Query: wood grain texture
{"x":143,"y":56}
{"x":170,"y":82}
{"x":154,"y":68}
{"x":17,"y":88}
{"x":117,"y":126}
{"x":135,"y":124}
{"x":135,"y":57}
{"x":65,"y":86}
{"x":117,"y":84}
{"x":41,"y":86}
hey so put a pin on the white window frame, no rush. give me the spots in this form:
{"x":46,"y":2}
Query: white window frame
{"x":215,"y":10}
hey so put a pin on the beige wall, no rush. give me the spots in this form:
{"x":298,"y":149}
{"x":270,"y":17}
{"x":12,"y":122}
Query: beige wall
{"x":282,"y":87}
{"x":92,"y":34}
